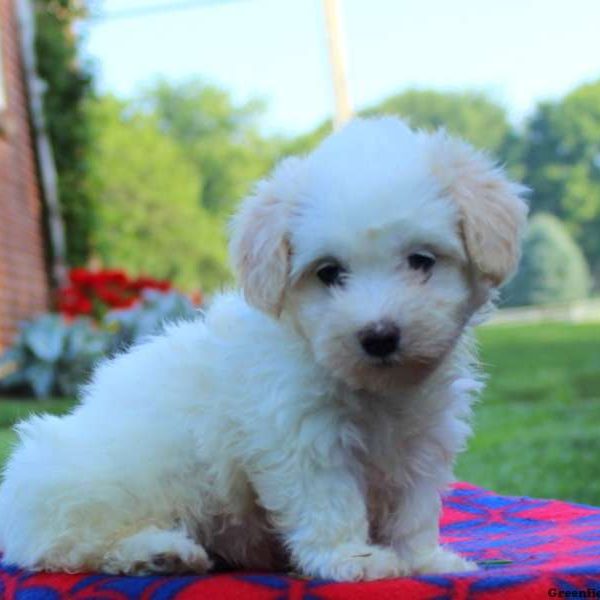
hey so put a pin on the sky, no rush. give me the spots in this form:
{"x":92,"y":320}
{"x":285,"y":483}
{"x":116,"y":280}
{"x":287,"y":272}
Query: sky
{"x":517,"y":51}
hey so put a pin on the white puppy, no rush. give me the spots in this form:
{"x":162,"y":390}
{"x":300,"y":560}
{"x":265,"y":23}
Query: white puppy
{"x":315,"y":418}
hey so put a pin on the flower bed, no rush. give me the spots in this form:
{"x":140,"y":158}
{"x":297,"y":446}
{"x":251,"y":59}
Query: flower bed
{"x":94,"y":293}
{"x":100,"y":313}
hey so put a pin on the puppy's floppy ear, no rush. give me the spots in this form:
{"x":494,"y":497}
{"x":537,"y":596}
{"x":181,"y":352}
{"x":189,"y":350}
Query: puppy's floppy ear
{"x":259,"y":245}
{"x":492,"y":211}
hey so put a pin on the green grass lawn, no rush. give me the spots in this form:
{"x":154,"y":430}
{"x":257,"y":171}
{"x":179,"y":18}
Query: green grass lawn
{"x":537,"y":427}
{"x":13,"y":410}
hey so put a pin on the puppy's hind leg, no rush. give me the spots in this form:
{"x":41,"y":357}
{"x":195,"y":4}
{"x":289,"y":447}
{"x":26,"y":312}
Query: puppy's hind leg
{"x":154,"y":550}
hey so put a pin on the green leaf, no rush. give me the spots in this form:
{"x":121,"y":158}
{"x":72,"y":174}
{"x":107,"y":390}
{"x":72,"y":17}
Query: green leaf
{"x":41,"y":377}
{"x":45,"y":337}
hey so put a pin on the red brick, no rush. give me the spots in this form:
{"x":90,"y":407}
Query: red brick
{"x":24,"y":290}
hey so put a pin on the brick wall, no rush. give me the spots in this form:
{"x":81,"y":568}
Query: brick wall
{"x":23,"y":277}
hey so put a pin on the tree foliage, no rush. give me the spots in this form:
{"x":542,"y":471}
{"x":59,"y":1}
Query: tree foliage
{"x":562,"y":160}
{"x":553,"y":268}
{"x":219,"y":138}
{"x":68,"y":88}
{"x":472,"y":116}
{"x":169,"y":168}
{"x":306,"y":142}
{"x":149,"y":219}
{"x":155,"y":191}
{"x":469,"y":115}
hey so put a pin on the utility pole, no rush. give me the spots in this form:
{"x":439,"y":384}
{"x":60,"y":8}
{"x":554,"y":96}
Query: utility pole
{"x":337,"y":58}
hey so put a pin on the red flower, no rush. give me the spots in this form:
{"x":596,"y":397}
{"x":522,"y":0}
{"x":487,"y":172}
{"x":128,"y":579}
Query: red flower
{"x":114,"y":278}
{"x":72,"y":302}
{"x":96,"y":292}
{"x":126,"y":302}
{"x":80,"y":277}
{"x":143,"y":283}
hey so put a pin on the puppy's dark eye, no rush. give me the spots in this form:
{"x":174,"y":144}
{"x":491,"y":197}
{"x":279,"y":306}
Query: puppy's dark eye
{"x":421,"y":261}
{"x":331,"y":274}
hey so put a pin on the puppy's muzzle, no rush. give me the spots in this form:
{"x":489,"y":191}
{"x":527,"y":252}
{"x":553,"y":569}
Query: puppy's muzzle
{"x":380,"y":340}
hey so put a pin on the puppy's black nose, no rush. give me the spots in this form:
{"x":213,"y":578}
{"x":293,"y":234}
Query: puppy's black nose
{"x":380,"y":339}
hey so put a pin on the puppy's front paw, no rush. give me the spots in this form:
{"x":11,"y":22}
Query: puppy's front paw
{"x":355,"y":562}
{"x":156,"y":551}
{"x":442,"y":560}
{"x":193,"y":560}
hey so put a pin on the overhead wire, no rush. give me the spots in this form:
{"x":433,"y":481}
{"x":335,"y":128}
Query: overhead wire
{"x":147,"y":10}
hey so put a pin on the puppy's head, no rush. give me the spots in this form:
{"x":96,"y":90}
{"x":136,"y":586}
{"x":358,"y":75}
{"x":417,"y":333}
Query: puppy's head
{"x":379,"y":247}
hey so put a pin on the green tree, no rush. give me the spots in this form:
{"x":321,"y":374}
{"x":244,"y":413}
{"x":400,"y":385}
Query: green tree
{"x":146,"y":195}
{"x":469,"y":115}
{"x":553,"y":267}
{"x":220,"y":138}
{"x":306,"y":142}
{"x":562,"y":160}
{"x":68,"y":88}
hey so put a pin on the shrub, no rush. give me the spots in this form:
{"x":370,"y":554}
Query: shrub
{"x":147,"y":317}
{"x":553,"y":268}
{"x":53,"y":355}
{"x":102,"y":312}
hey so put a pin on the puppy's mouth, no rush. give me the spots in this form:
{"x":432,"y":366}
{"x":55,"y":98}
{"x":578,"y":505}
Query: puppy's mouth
{"x":407,"y":367}
{"x":387,"y":362}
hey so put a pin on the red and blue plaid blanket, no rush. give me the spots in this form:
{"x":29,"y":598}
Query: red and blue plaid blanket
{"x":527,"y":549}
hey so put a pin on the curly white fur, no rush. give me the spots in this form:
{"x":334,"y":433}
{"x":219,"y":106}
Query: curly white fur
{"x":263,"y":432}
